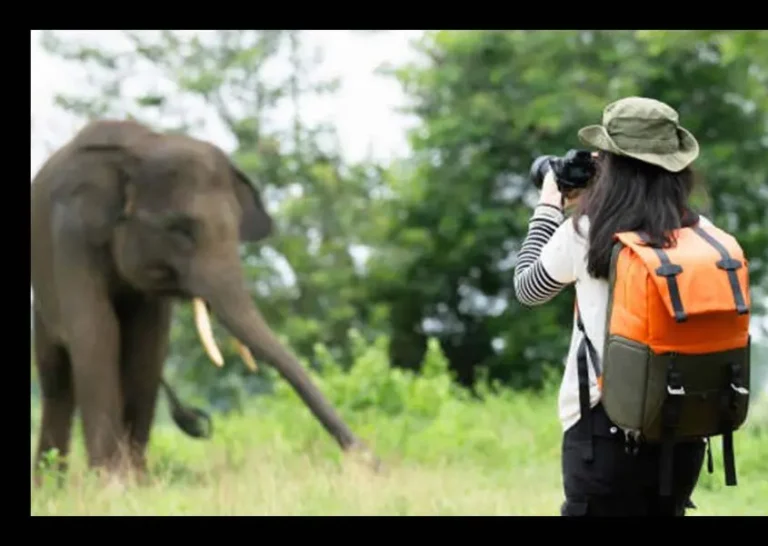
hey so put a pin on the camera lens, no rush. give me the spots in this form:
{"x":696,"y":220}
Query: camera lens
{"x":539,"y":169}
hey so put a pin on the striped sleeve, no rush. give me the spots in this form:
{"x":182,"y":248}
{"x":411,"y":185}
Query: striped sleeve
{"x":534,"y":285}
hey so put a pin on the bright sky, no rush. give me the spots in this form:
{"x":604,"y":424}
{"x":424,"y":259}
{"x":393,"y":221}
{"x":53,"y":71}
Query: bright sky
{"x":362,"y":110}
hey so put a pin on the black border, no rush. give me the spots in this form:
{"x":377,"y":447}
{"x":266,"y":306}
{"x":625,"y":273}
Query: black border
{"x":51,"y":17}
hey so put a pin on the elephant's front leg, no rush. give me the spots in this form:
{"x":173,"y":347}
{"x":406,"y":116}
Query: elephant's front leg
{"x":94,"y":344}
{"x":145,"y":333}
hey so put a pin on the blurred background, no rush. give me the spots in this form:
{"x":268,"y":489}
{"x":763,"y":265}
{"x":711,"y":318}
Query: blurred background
{"x":395,"y":164}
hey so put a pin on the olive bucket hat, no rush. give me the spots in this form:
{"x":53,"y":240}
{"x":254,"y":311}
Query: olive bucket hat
{"x":645,"y":129}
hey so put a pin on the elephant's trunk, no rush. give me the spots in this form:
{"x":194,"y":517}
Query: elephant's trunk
{"x":225,"y":291}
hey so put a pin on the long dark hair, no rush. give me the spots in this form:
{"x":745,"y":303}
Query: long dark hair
{"x":631,"y":195}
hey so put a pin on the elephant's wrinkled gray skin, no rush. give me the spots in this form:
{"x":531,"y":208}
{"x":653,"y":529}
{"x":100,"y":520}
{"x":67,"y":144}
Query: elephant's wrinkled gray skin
{"x":124,"y":221}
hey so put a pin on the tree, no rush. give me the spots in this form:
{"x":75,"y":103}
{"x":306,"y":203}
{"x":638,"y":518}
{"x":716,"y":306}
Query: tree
{"x":489,"y":103}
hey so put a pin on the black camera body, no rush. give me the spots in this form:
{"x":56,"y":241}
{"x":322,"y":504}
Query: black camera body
{"x":572,"y":171}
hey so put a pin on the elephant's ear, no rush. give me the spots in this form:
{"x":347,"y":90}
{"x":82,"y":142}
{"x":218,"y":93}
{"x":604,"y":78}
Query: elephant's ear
{"x":256,"y":224}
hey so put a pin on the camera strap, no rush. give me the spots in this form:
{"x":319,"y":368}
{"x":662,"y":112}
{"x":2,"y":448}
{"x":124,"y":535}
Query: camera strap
{"x":593,"y":357}
{"x":586,"y":352}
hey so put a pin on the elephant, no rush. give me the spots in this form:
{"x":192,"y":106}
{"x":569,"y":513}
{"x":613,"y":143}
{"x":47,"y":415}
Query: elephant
{"x":127,"y":222}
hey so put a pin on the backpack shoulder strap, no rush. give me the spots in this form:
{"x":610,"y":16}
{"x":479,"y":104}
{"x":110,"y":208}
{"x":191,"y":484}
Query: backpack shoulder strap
{"x":582,"y":369}
{"x":590,"y":350}
{"x":586,"y":353}
{"x":732,"y":259}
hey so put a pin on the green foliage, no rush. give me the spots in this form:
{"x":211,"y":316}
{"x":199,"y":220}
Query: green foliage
{"x":371,"y":385}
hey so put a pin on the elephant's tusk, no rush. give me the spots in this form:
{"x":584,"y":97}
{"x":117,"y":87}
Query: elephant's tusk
{"x":204,"y":330}
{"x":246,"y":355}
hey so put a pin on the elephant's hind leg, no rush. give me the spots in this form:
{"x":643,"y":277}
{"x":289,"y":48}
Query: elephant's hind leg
{"x":58,"y":400}
{"x":145,"y":332}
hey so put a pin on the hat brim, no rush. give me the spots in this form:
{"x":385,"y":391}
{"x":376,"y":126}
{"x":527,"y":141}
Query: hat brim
{"x":597,"y":137}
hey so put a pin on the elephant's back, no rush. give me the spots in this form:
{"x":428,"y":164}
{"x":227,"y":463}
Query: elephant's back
{"x":41,"y":246}
{"x":43,"y":189}
{"x":123,"y":134}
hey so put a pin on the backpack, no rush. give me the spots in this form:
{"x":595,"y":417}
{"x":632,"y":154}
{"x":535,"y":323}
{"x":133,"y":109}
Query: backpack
{"x":676,"y":360}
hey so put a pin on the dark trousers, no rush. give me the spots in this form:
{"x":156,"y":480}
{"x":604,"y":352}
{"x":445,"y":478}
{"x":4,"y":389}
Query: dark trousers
{"x":617,"y":483}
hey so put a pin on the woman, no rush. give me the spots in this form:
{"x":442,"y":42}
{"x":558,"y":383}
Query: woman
{"x":643,"y":182}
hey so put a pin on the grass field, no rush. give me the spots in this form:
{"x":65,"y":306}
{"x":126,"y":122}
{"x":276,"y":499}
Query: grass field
{"x":445,"y":455}
{"x":278,"y":461}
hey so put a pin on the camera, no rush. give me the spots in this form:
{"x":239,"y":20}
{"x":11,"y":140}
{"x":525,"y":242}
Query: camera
{"x":572,"y":172}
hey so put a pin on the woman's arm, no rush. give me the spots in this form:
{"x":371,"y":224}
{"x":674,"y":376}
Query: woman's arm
{"x":534,"y":285}
{"x":545,"y":263}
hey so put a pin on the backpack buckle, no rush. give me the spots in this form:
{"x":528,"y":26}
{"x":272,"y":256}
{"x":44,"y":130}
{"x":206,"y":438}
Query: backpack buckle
{"x":680,"y":391}
{"x":631,"y":444}
{"x":741,"y":390}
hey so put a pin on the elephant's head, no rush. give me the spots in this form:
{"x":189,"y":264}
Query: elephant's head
{"x":183,"y":210}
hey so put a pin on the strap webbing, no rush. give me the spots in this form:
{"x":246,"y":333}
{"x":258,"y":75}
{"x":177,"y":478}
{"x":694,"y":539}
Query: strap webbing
{"x":586,"y":346}
{"x":733,"y":389}
{"x":729,"y":265}
{"x":670,"y":415}
{"x":668,"y":270}
{"x":729,"y":460}
{"x":593,"y":357}
{"x":584,"y":405}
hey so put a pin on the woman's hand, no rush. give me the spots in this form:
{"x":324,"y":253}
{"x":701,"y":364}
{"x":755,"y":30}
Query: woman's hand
{"x":550,"y":194}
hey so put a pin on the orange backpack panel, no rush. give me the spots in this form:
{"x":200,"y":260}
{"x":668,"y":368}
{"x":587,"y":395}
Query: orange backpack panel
{"x":702,"y":308}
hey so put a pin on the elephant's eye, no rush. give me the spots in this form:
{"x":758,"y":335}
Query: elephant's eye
{"x":181,"y":225}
